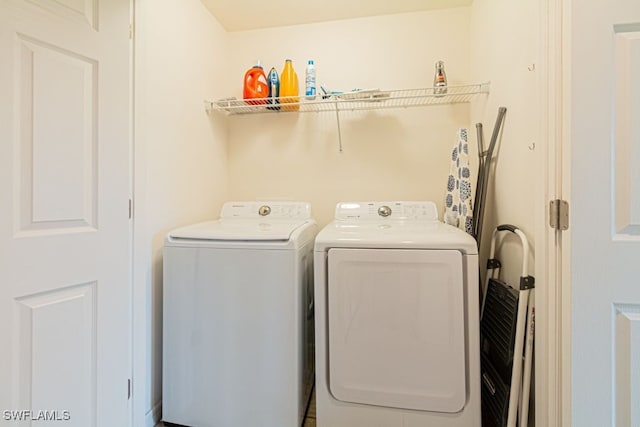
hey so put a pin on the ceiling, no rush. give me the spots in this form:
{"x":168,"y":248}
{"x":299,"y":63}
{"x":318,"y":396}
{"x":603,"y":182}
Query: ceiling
{"x":241,"y":15}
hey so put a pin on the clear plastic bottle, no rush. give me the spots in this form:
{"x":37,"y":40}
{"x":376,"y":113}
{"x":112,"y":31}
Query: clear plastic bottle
{"x":310,"y":80}
{"x":440,"y":80}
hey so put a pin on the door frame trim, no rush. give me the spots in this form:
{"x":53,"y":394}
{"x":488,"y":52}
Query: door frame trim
{"x":563,"y":273}
{"x":553,"y":298}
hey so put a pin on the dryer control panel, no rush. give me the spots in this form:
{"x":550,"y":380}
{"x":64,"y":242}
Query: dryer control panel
{"x":398,"y":210}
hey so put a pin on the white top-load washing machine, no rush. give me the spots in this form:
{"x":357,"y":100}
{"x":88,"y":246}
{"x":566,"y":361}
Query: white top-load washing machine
{"x":238,"y":317}
{"x":397,"y":319}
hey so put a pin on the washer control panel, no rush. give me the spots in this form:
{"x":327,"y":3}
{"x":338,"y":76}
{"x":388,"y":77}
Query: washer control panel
{"x":406,"y":211}
{"x":267,"y":209}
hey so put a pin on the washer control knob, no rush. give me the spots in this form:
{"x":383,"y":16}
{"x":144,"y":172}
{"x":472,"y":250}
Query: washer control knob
{"x":384,"y":211}
{"x":264,"y":210}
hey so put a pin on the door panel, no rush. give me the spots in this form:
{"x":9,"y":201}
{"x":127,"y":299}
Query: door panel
{"x":603,"y":124}
{"x":54,"y":197}
{"x":82,"y":11}
{"x":65,"y":246}
{"x":59,"y":326}
{"x":627,"y":131}
{"x":627,"y":375}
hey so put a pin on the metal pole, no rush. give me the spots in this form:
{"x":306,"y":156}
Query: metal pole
{"x":339,"y":131}
{"x":487,"y":166}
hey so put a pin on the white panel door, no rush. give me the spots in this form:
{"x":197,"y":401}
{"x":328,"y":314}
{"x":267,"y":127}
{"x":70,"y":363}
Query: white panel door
{"x":604,"y":124}
{"x":397,"y":328}
{"x":64,"y":220}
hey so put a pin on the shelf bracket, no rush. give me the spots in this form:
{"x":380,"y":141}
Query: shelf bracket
{"x":339,"y":131}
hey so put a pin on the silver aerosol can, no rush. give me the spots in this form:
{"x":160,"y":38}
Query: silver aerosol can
{"x":440,"y":80}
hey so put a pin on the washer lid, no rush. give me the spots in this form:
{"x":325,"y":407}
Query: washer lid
{"x":239,"y":230}
{"x":250,"y":221}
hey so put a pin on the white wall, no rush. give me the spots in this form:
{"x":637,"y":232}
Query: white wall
{"x":504,"y":49}
{"x":388,"y":154}
{"x":504,"y":43}
{"x":180,"y":160}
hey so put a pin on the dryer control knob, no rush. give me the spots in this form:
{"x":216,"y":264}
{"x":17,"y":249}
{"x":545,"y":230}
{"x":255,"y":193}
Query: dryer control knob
{"x":264,"y":210}
{"x":384,"y":211}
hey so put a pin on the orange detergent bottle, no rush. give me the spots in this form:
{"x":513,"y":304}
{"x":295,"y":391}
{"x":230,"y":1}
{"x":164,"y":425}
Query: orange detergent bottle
{"x":255,"y":85}
{"x":289,"y":89}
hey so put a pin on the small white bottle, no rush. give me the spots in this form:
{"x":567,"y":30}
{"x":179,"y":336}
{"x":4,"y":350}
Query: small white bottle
{"x":310,"y":81}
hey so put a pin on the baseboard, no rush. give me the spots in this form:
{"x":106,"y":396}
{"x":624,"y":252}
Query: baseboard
{"x":152,"y":418}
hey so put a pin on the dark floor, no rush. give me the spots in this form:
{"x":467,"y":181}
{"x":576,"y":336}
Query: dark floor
{"x":310,"y":419}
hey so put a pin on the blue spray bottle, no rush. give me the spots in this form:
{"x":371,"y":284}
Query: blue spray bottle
{"x":274,"y":90}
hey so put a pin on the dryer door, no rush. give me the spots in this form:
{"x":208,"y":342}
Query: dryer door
{"x":396,"y":328}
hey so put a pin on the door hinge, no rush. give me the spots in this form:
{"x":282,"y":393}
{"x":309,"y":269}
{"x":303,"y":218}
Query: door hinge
{"x":131,"y":31}
{"x":559,"y":214}
{"x":130,"y":208}
{"x":129,"y":389}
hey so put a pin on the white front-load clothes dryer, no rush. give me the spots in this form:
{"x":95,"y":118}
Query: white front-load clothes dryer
{"x":238,"y":317}
{"x":397,"y":319}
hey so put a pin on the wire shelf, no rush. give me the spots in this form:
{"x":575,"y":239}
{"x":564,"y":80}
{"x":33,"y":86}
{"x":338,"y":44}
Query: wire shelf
{"x":352,"y":101}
